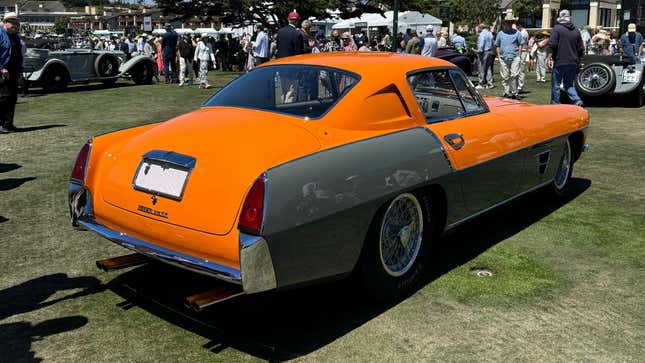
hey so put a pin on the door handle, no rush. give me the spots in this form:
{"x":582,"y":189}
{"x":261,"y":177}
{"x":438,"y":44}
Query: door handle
{"x":456,"y":141}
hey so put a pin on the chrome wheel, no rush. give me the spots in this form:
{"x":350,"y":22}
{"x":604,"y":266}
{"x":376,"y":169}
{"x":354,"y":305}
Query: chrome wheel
{"x":593,"y":78}
{"x":401,"y":234}
{"x":564,"y":169}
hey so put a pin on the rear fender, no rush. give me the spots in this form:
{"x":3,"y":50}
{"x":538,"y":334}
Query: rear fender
{"x":127,"y":66}
{"x":320,"y":207}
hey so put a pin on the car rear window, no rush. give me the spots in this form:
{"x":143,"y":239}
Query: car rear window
{"x":298,"y":90}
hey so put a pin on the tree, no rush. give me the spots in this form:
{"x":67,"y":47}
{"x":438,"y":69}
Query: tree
{"x":273,"y":14}
{"x":471,"y":12}
{"x":526,"y":8}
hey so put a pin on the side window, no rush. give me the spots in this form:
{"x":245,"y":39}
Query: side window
{"x":470,"y":98}
{"x":436,"y":95}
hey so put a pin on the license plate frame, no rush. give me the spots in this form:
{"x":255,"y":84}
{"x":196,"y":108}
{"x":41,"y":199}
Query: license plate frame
{"x":175,"y":168}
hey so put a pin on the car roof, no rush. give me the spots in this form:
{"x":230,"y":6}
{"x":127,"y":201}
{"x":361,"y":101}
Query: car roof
{"x":366,"y":63}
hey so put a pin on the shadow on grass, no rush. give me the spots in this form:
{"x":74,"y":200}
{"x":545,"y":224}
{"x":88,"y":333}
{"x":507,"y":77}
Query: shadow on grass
{"x":13,"y":183}
{"x":284,"y":325}
{"x":3,"y":219}
{"x":40,"y":127}
{"x":9,"y":167}
{"x":16,"y":338}
{"x":31,"y":295}
{"x":73,"y":88}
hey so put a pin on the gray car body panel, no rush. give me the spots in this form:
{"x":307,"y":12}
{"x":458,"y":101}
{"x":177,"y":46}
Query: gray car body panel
{"x":79,"y":63}
{"x":319,"y":207}
{"x":624,"y":87}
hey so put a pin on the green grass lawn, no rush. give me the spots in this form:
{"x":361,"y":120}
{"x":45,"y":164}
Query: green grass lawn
{"x":568,"y":279}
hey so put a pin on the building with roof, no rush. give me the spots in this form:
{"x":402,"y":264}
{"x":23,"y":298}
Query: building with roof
{"x":590,"y":13}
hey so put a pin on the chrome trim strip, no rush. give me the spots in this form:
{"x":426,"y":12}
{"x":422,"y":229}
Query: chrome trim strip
{"x":256,"y":264}
{"x":187,"y":262}
{"x":455,"y":224}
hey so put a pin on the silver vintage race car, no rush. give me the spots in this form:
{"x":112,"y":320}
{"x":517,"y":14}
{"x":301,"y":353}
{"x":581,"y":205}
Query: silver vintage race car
{"x":602,"y":76}
{"x":55,"y":69}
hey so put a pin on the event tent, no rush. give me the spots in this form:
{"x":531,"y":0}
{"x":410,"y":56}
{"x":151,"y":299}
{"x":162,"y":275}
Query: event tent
{"x":407,"y":19}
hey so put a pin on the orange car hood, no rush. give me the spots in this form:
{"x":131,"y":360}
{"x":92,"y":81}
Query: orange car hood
{"x":232,"y":147}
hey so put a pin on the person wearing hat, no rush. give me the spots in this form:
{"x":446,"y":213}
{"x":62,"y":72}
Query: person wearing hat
{"x":485,"y":56}
{"x":542,"y":43}
{"x":290,"y":40}
{"x":203,"y":54}
{"x":632,"y":43}
{"x":10,"y":70}
{"x":428,"y":43}
{"x":169,"y":54}
{"x":566,"y":49}
{"x":509,"y":50}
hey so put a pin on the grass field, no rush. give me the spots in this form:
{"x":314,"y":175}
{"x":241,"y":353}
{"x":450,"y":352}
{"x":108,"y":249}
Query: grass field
{"x":568,"y":283}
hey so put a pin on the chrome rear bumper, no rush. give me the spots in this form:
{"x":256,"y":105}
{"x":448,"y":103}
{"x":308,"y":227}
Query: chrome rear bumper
{"x":256,"y":273}
{"x":195,"y":264}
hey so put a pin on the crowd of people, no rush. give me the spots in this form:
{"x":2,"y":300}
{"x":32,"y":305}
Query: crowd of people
{"x":558,"y":50}
{"x":182,"y":59}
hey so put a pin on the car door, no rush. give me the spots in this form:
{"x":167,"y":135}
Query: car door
{"x":485,"y":150}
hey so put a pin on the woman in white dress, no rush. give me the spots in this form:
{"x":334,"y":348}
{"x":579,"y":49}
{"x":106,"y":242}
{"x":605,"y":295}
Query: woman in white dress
{"x":204,"y":53}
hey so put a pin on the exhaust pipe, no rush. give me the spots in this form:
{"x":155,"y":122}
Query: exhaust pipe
{"x":116,"y":263}
{"x":207,"y":298}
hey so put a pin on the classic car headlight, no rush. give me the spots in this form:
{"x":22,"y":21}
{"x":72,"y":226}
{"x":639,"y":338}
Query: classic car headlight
{"x":80,"y":166}
{"x":252,"y":214}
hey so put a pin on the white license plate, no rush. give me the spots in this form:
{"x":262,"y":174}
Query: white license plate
{"x":161,"y":178}
{"x":632,"y":77}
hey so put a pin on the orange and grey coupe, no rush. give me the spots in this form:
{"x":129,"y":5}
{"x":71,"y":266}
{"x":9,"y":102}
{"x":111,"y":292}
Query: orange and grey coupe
{"x":317,"y":166}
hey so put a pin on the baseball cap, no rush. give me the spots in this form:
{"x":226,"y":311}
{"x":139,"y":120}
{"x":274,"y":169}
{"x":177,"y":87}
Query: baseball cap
{"x":293,"y":15}
{"x":430,"y":28}
{"x":11,"y":17}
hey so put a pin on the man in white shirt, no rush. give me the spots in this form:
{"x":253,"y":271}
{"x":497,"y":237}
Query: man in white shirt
{"x":428,"y":43}
{"x":261,"y":46}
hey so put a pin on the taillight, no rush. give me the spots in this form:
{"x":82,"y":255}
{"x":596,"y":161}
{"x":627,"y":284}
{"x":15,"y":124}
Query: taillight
{"x":253,"y":208}
{"x":78,"y":173}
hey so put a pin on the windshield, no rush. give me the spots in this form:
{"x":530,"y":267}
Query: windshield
{"x":298,"y":90}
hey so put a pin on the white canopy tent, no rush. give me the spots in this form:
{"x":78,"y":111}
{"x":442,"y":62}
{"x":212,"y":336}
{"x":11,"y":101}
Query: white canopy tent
{"x":408,"y":19}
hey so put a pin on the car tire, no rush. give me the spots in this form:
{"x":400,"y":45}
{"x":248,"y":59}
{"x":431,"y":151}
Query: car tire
{"x":395,"y":251}
{"x":106,"y":65}
{"x":562,"y":180}
{"x":55,"y":78}
{"x":595,"y":79}
{"x":141,"y":73}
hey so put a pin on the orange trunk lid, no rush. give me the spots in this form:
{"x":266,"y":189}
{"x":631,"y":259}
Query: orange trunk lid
{"x":231,"y":147}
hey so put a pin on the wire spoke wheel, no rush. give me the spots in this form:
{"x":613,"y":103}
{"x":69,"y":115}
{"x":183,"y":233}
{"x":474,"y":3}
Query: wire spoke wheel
{"x":401,"y":234}
{"x":594,"y":78}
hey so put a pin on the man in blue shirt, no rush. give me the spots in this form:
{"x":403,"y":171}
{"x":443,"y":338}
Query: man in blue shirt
{"x":632,"y":43}
{"x":261,"y":46}
{"x":428,"y":43}
{"x":485,"y":56}
{"x":509,"y":49}
{"x":10,"y":70}
{"x":459,"y":42}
